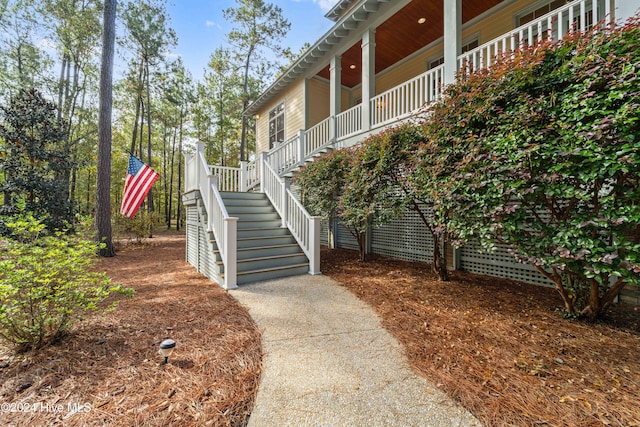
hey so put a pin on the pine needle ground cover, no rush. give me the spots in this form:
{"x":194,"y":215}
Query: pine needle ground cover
{"x":500,"y":347}
{"x":107,"y":370}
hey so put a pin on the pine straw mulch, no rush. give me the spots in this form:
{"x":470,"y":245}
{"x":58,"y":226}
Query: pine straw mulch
{"x":112,"y":363}
{"x":499,"y":347}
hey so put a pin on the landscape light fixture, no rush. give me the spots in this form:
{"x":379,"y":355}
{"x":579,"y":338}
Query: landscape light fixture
{"x":166,"y":348}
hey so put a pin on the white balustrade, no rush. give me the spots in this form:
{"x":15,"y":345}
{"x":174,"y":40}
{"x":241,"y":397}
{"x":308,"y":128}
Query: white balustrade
{"x":190,"y":172}
{"x":249,"y":175}
{"x":228,"y":177}
{"x":284,"y":156}
{"x":317,"y":137}
{"x":349,"y":122}
{"x":407,"y":98}
{"x":579,"y":15}
{"x":219,"y":222}
{"x":304,"y":227}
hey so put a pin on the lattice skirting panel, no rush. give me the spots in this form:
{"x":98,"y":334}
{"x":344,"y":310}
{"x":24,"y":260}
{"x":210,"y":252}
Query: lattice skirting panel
{"x":324,"y":232}
{"x":344,"y":239}
{"x":192,"y":227}
{"x":198,"y":248}
{"x":406,"y":238}
{"x":500,"y":264}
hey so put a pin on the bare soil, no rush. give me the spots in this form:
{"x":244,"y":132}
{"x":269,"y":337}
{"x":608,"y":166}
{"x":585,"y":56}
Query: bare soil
{"x":500,"y":347}
{"x":107,"y":370}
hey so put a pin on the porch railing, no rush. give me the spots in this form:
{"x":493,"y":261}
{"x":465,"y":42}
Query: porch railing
{"x":349,"y":122}
{"x":285,"y":155}
{"x":228,"y":177}
{"x":223,"y":226}
{"x":249,"y":175}
{"x":317,"y":137}
{"x":304,"y":227}
{"x":407,"y":98}
{"x":579,"y":15}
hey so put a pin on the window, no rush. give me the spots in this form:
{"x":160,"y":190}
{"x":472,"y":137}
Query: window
{"x":541,"y":11}
{"x":276,"y":126}
{"x":527,"y":16}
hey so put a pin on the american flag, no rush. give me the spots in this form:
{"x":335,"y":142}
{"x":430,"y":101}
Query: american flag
{"x":140,"y":178}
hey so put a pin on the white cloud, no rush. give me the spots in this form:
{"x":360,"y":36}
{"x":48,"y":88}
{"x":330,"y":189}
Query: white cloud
{"x":326,"y":5}
{"x":210,"y":24}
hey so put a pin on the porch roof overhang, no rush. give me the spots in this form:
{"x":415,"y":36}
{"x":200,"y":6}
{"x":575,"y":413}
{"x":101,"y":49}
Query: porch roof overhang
{"x":398,"y":35}
{"x":338,"y":10}
{"x":319,"y":50}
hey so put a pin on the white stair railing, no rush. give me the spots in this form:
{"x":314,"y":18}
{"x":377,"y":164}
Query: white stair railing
{"x":190,"y":172}
{"x":249,"y":175}
{"x":579,"y":15}
{"x":304,"y":227}
{"x":224,"y":227}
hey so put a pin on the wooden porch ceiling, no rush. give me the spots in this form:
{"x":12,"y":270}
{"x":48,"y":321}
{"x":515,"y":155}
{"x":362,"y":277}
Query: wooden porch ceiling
{"x":402,"y":34}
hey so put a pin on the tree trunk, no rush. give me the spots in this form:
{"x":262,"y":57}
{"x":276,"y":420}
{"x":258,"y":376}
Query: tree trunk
{"x":439,"y":260}
{"x":180,"y":161}
{"x":245,"y":101}
{"x":103,"y":179}
{"x":171,"y":168}
{"x":138,"y":102}
{"x":150,"y":194}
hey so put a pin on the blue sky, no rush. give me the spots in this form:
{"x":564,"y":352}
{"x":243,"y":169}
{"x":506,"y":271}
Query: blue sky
{"x":201,"y":28}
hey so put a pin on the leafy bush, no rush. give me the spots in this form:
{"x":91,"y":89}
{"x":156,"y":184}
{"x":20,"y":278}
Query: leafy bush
{"x":139,"y":227}
{"x":46,"y":283}
{"x":35,"y":161}
{"x":541,"y":152}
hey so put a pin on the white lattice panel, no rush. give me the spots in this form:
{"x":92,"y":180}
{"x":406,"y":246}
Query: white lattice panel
{"x":324,"y":232}
{"x":499,"y":263}
{"x":406,"y":238}
{"x":344,"y":239}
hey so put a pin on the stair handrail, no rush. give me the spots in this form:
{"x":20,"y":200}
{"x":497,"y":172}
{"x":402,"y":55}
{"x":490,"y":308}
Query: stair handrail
{"x":304,"y":227}
{"x":223,"y":226}
{"x":249,"y":175}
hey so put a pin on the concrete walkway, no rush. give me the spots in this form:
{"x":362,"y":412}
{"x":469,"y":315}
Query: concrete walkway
{"x":329,"y":362}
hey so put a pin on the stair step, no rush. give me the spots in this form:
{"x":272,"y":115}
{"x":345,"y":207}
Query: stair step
{"x":272,"y":273}
{"x":246,"y":233}
{"x":260,"y":263}
{"x":244,"y":210}
{"x":257,"y":216}
{"x":268,"y":251}
{"x":261,"y":241}
{"x":228,"y":195}
{"x":266,"y":223}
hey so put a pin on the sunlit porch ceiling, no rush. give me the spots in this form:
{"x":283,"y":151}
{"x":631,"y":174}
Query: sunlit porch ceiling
{"x":403,"y":34}
{"x":396,"y":38}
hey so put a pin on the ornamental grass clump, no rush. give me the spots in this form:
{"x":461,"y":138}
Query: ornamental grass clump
{"x":47,"y":283}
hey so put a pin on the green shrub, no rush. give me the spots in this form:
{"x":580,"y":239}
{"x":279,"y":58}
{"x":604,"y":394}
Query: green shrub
{"x":47,"y":283}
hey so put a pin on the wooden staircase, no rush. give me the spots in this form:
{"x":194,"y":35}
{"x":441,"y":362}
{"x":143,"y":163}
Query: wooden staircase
{"x":266,"y":250}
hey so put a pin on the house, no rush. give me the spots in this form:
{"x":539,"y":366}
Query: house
{"x":380,"y":63}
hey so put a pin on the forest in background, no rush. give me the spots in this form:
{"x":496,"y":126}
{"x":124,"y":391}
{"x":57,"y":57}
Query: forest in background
{"x":159,"y":109}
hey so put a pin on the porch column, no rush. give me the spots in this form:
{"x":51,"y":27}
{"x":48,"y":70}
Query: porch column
{"x":335,"y":101}
{"x":368,"y":75}
{"x":452,"y":38}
